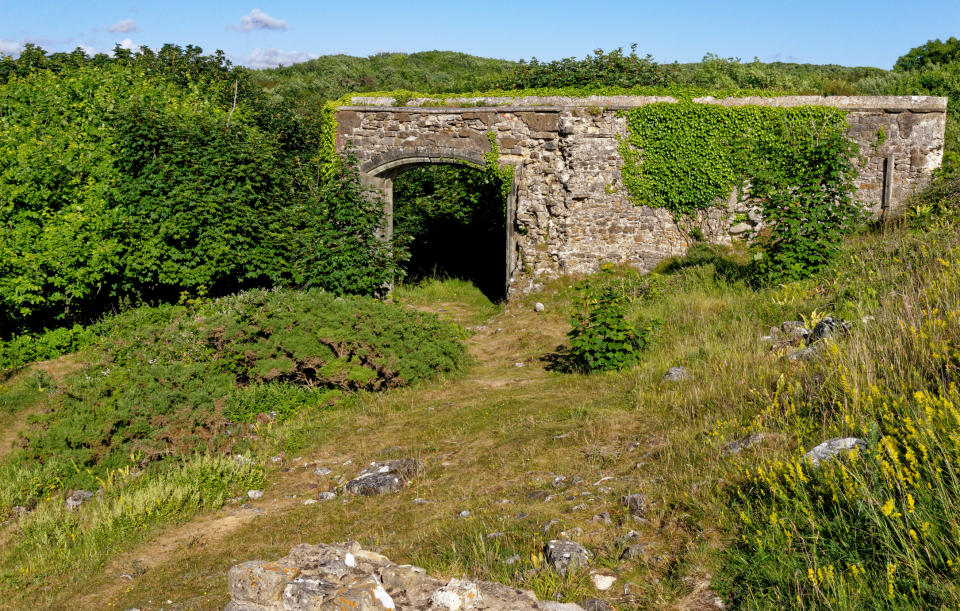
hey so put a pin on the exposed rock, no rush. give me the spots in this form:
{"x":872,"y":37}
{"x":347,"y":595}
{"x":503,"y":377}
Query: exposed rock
{"x":595,"y":604}
{"x":538,"y":495}
{"x":735,"y":447}
{"x":675,"y":374}
{"x":806,"y":354}
{"x":564,"y":555}
{"x":322,"y":471}
{"x":253,"y":495}
{"x":633,"y":551}
{"x":828,"y":327}
{"x":384,"y":477}
{"x":548,"y":525}
{"x":740,"y":228}
{"x":327,"y":495}
{"x":538,"y":307}
{"x":464,"y":514}
{"x":636,"y":504}
{"x":603,"y":579}
{"x":344,"y":576}
{"x":835,"y":447}
{"x":77,"y":498}
{"x":310,"y":502}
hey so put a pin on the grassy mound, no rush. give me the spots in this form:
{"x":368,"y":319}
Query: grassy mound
{"x":168,"y":381}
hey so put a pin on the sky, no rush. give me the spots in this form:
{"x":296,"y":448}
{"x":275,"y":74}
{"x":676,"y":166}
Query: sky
{"x":265,"y":33}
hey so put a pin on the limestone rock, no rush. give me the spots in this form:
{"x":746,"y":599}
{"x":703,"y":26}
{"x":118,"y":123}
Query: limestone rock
{"x":538,"y":307}
{"x":253,"y":495}
{"x":740,"y":228}
{"x":384,"y":477}
{"x":564,"y":555}
{"x":603,"y":579}
{"x":806,"y":354}
{"x":735,"y":447}
{"x":636,"y":504}
{"x":77,"y":498}
{"x":345,"y":576}
{"x":828,"y":327}
{"x":595,"y":604}
{"x":675,"y":374}
{"x":835,"y":447}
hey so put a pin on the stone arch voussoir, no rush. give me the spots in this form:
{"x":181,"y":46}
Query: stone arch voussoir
{"x":387,"y":163}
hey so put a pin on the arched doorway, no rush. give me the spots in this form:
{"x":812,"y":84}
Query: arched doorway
{"x":450,"y":218}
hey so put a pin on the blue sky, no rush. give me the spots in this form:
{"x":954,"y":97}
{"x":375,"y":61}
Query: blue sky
{"x":262,"y":33}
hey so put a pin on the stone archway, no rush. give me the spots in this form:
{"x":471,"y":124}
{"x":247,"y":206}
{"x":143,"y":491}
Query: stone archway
{"x":381,"y":171}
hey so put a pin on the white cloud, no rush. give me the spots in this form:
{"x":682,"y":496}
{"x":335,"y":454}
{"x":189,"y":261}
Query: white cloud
{"x":128,"y":44}
{"x":258,"y":20}
{"x":10,"y":47}
{"x":87,"y":49}
{"x":124,"y":26}
{"x":271,"y":58}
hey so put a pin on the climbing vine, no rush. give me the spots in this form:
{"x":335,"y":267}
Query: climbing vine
{"x":684,"y":156}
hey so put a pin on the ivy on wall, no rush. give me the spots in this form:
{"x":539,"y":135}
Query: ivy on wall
{"x":680,"y":156}
{"x":685,"y":156}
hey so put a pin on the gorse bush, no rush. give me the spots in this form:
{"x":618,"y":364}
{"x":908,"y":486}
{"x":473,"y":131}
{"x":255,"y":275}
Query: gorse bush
{"x":172,"y":382}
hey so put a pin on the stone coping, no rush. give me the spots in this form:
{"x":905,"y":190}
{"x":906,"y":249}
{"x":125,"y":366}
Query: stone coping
{"x":912,"y":103}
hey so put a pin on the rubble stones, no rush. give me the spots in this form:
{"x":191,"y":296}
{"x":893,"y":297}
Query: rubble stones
{"x":835,"y":447}
{"x":344,"y":576}
{"x":636,"y":504}
{"x":675,"y":374}
{"x":77,"y":498}
{"x":564,"y":555}
{"x":384,"y":477}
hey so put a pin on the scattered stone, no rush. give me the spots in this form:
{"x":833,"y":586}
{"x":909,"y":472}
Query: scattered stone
{"x":391,"y":450}
{"x":636,"y":504}
{"x":559,"y":480}
{"x":521,"y":516}
{"x":755,"y":216}
{"x":827,"y":327}
{"x":603,"y":479}
{"x":603,"y":518}
{"x":806,"y":354}
{"x":549,"y":524}
{"x":505,"y":501}
{"x":495,"y":535}
{"x":572,"y":533}
{"x":384,"y":477}
{"x":735,"y":447}
{"x":512,"y":560}
{"x":564,"y":555}
{"x":253,"y":495}
{"x":562,"y":435}
{"x":464,"y":514}
{"x":633,"y":551}
{"x":322,"y":471}
{"x":835,"y":447}
{"x":575,"y":480}
{"x":19,"y":511}
{"x":595,"y":604}
{"x":327,"y":495}
{"x":344,"y":576}
{"x":77,"y":498}
{"x":518,"y":364}
{"x":868,"y":319}
{"x":627,"y":538}
{"x":538,"y":307}
{"x":603,"y":579}
{"x":538,"y":495}
{"x":740,"y":228}
{"x":419,"y":501}
{"x":311,"y":501}
{"x":580,"y":507}
{"x":675,"y":374}
{"x":276,"y":459}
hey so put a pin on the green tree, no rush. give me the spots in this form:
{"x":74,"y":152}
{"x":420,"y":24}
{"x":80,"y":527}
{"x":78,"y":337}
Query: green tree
{"x":932,"y":52}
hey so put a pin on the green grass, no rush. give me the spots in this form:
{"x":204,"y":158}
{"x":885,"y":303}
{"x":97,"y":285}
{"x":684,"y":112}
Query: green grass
{"x":451,"y":298}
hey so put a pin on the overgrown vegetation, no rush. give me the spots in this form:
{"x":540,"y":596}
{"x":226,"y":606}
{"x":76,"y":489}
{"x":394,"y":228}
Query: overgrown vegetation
{"x":172,"y":380}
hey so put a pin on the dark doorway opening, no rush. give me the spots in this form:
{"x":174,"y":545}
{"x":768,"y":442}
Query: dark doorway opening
{"x":449,"y":221}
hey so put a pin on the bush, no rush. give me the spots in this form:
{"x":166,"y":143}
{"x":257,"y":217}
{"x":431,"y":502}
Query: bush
{"x":170,"y":380}
{"x":50,"y":343}
{"x":601,"y":338}
{"x":806,"y":195}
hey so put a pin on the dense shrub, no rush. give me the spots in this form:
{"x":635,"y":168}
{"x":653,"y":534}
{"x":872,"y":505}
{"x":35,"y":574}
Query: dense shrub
{"x":169,"y":379}
{"x":804,"y":185}
{"x":612,"y":69}
{"x":601,"y":338}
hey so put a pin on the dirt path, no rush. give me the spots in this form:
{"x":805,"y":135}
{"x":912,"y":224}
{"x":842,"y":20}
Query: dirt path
{"x":496,"y":352}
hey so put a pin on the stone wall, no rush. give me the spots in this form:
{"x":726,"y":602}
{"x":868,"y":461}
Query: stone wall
{"x":570,"y":212}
